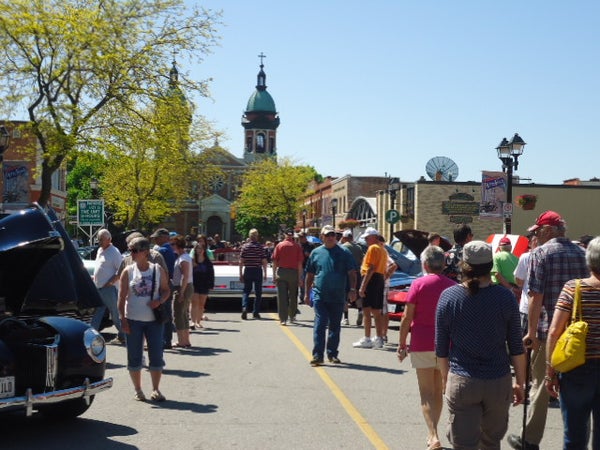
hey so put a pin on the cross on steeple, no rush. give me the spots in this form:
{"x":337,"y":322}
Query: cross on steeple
{"x":261,"y":56}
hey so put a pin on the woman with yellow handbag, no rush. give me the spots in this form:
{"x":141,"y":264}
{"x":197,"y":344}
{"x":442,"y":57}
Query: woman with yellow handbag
{"x":579,"y":388}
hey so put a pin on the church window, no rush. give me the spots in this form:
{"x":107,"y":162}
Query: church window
{"x":260,"y":143}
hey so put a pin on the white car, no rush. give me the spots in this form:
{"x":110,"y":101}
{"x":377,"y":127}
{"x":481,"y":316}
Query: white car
{"x":90,"y":265}
{"x":228,"y":284}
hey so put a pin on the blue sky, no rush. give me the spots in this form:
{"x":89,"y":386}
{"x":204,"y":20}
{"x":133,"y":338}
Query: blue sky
{"x":369,"y":88}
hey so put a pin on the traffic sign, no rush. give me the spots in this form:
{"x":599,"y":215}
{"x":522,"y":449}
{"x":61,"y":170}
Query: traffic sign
{"x":507,"y":209}
{"x":392,"y":216}
{"x":90,"y":212}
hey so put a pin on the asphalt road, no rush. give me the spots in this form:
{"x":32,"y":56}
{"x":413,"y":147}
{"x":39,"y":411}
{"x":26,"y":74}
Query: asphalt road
{"x":248,"y":385}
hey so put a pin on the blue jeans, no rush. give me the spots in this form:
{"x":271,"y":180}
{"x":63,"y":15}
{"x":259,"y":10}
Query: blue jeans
{"x":253,"y":277}
{"x":109,"y":297}
{"x":327,"y":314}
{"x":580,"y":398}
{"x":153,"y":332}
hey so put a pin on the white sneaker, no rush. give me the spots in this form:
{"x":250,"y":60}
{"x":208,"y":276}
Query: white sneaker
{"x":377,"y":343}
{"x":345,"y":322}
{"x":365,"y":342}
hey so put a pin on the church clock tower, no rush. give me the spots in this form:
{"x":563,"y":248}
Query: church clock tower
{"x":260,"y":122}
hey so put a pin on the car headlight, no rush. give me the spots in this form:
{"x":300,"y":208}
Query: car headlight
{"x":95,"y":345}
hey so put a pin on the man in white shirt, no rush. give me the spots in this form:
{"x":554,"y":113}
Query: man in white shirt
{"x":108,"y":262}
{"x":520,"y":274}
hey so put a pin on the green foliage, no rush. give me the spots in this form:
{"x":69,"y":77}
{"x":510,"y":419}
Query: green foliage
{"x":271,"y":196}
{"x":81,"y":69}
{"x":82,"y":170}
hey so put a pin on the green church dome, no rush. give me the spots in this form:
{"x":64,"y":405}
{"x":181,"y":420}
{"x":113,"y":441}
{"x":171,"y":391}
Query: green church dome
{"x":261,"y":101}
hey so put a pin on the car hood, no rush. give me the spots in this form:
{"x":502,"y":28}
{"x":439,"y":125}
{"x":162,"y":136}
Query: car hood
{"x":40,"y":270}
{"x":416,"y":241}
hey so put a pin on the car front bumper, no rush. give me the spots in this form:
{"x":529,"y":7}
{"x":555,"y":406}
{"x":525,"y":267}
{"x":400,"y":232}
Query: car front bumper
{"x":30,"y":400}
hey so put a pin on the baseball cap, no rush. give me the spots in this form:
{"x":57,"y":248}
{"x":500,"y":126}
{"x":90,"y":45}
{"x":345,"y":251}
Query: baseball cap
{"x":160,"y":232}
{"x":504,"y":241}
{"x":327,"y":229}
{"x":347,"y":233}
{"x":550,"y":218}
{"x":477,"y":252}
{"x":370,"y":231}
{"x":289,"y":231}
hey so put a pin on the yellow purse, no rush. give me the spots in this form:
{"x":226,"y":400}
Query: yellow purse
{"x":569,"y":352}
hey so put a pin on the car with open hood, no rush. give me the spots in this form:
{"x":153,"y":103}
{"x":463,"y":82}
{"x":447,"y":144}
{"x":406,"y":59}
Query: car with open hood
{"x":405,"y":250}
{"x":51,"y":359}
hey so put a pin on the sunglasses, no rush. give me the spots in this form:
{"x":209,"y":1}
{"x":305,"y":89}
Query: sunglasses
{"x":135,"y":250}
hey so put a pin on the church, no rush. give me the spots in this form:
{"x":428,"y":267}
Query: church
{"x":213,"y":214}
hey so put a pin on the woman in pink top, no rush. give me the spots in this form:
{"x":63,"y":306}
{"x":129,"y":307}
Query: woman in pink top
{"x":419,"y":319}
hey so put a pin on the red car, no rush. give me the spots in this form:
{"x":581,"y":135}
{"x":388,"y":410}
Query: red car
{"x":415,"y":241}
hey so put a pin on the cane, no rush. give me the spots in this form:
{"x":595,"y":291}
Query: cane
{"x":528,"y":343}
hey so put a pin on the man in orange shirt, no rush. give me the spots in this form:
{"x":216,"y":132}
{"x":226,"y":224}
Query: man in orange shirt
{"x":288,"y":259}
{"x":372,"y":270}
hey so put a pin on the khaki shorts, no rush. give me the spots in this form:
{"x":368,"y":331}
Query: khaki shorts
{"x":424,"y":360}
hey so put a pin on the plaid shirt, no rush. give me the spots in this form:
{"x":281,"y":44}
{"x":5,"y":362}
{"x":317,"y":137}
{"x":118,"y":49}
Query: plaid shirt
{"x":550,"y":267}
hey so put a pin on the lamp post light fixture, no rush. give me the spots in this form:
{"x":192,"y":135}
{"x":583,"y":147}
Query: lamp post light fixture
{"x":334,"y":203}
{"x":4,"y":139}
{"x":94,"y":186}
{"x":304,"y":220}
{"x":508,"y":153}
{"x":393,"y":187}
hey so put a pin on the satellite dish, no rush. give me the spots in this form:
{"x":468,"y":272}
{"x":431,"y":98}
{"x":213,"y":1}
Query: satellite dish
{"x":441,"y":168}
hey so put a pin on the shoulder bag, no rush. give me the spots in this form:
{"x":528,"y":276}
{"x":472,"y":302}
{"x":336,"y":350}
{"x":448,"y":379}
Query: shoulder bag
{"x":161,"y":313}
{"x":569,"y":352}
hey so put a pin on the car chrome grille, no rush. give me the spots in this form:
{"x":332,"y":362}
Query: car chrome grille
{"x":37,"y":365}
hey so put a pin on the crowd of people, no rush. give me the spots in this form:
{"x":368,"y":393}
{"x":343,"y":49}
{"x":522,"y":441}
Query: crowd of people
{"x":479,"y":326}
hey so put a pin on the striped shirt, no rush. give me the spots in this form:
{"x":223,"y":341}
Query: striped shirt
{"x":550,"y":267}
{"x":252,"y":254}
{"x":590,"y":311}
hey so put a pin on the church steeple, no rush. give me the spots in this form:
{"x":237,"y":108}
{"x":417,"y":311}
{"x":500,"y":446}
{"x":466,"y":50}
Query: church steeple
{"x":260,"y":121}
{"x":173,"y":76}
{"x":261,"y":78}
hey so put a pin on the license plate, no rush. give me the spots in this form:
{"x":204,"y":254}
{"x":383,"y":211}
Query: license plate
{"x":236,"y":285}
{"x":7,"y":387}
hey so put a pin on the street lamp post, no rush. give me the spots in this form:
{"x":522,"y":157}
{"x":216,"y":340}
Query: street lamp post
{"x":334,"y":204}
{"x":393,"y":186}
{"x":94,"y":186}
{"x":304,"y":220}
{"x":508,"y":153}
{"x":4,"y":139}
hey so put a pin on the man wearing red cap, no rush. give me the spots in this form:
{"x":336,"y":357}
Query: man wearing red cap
{"x":556,"y":261}
{"x":505,"y":264}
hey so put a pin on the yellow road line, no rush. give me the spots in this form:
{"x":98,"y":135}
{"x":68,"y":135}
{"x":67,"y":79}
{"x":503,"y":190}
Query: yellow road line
{"x":356,"y":416}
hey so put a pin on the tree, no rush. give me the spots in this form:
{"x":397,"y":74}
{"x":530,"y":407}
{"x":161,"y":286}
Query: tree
{"x":271,"y":196}
{"x":79,"y":68}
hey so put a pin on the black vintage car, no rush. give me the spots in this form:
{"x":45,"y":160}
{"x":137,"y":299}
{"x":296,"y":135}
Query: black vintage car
{"x":51,"y":360}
